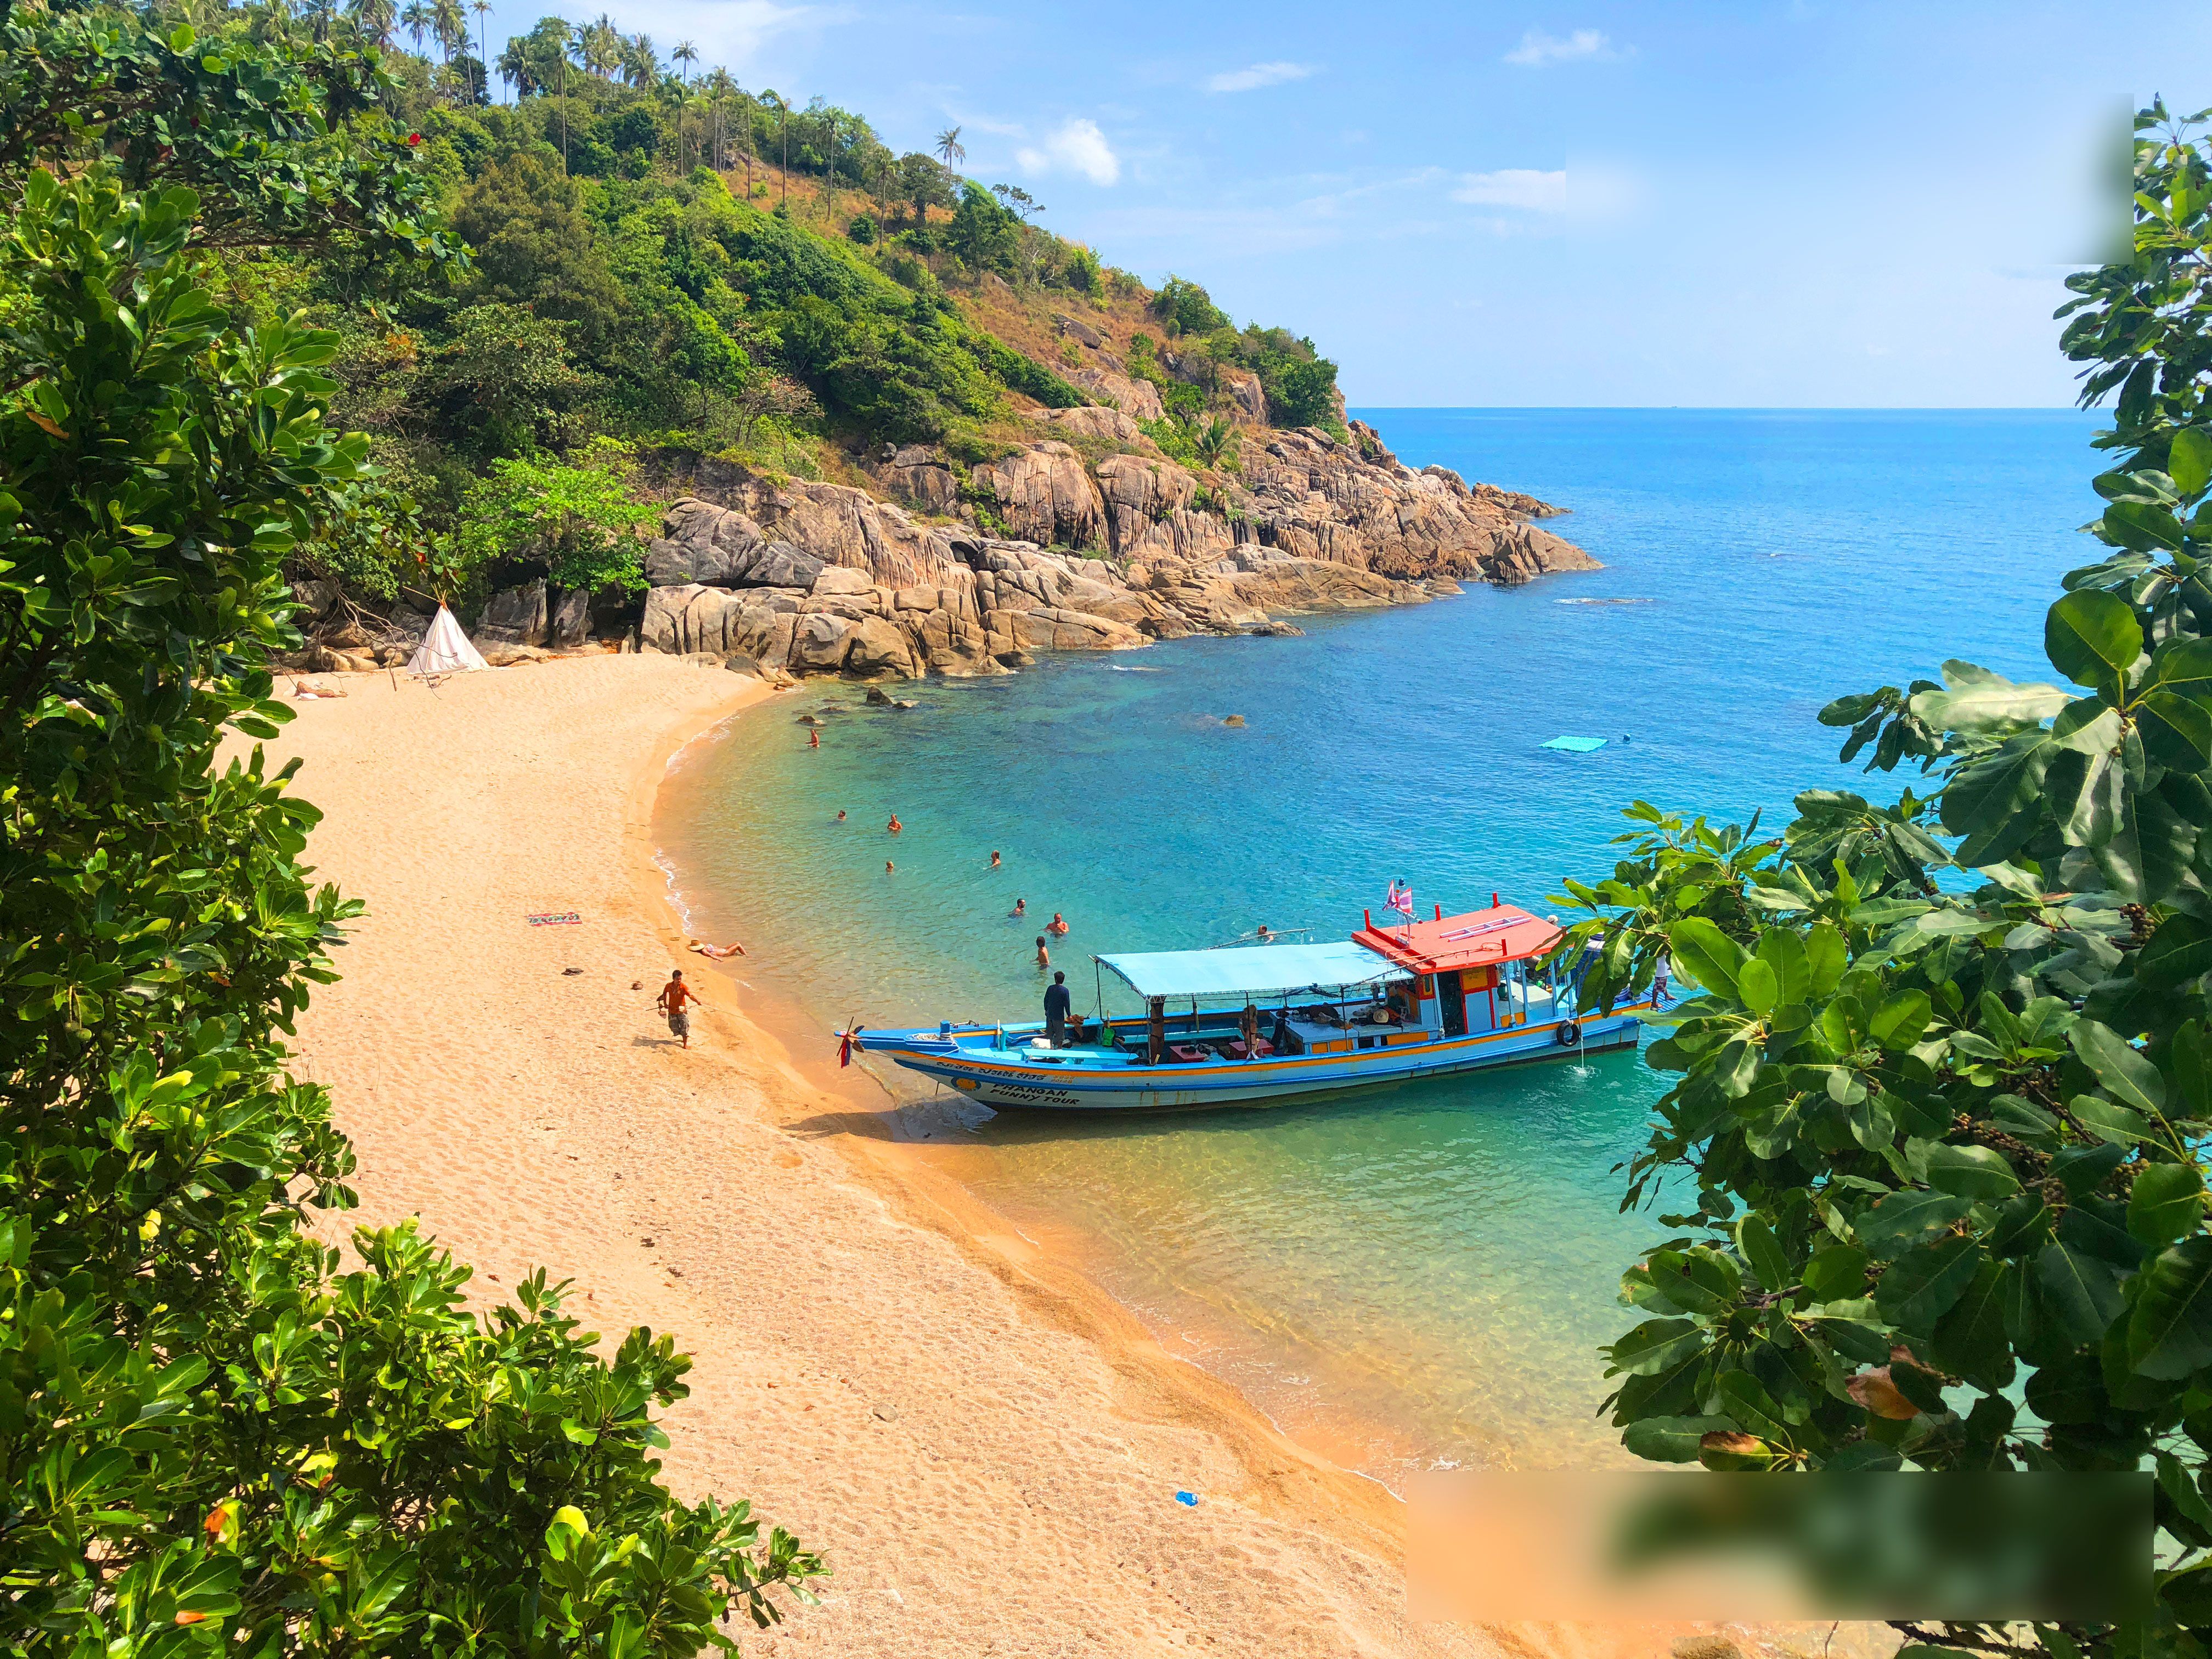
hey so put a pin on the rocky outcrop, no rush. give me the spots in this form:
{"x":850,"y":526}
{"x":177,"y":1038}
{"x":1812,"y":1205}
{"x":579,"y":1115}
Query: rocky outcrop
{"x":1134,"y":397}
{"x":1045,"y":495}
{"x":821,"y":578}
{"x":516,"y":616}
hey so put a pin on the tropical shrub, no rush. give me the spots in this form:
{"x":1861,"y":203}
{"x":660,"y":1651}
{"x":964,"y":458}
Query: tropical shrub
{"x":1934,"y":1149}
{"x":213,"y":1439}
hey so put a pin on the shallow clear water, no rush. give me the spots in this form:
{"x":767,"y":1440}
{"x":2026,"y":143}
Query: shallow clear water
{"x":1419,"y":1274}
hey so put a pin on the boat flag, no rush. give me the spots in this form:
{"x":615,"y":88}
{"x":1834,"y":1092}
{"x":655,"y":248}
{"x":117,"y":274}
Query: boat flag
{"x":1400,"y":899}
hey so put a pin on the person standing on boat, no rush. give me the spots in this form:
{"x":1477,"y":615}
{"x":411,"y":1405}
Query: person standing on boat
{"x":1056,"y":1011}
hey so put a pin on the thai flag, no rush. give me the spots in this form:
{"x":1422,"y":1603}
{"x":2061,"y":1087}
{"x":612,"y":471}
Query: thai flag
{"x":1400,"y":899}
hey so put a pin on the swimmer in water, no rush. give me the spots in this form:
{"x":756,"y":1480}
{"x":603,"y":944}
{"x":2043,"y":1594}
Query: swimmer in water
{"x":889,"y":867}
{"x":1021,"y":908}
{"x":895,"y":826}
{"x":841,"y":815}
{"x":813,"y":739}
{"x":1044,"y":956}
{"x":1264,"y":935}
{"x":1056,"y":926}
{"x":994,"y":860}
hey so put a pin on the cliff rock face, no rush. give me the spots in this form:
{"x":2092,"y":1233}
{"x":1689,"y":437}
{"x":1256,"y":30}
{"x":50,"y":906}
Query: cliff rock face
{"x":823,"y":578}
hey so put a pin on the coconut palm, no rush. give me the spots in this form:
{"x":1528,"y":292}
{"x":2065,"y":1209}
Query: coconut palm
{"x":375,"y":20}
{"x":641,"y":62}
{"x":482,"y":8}
{"x":686,"y":54}
{"x":719,"y":87}
{"x":949,"y":147}
{"x":415,"y":19}
{"x":1216,"y":442}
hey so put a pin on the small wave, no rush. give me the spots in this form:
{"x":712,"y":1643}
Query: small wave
{"x":1122,"y":668}
{"x":1604,"y":601}
{"x":675,"y":894}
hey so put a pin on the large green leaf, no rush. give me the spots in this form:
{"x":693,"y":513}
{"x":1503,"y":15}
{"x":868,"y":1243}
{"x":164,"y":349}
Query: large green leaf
{"x":2170,"y":1329}
{"x":1920,"y":1286}
{"x":1669,"y":1439}
{"x":2189,"y":462}
{"x":1971,"y":1172}
{"x":1970,"y":1339}
{"x":1783,"y":949}
{"x":2143,"y":528}
{"x":2092,"y":636}
{"x":1825,"y":957}
{"x":1998,"y":706}
{"x":1756,"y":1240}
{"x":1705,"y":954}
{"x":2079,"y":1291}
{"x":2120,"y":1070}
{"x":1657,"y":1344}
{"x":1892,"y":1225}
{"x":2165,"y":1203}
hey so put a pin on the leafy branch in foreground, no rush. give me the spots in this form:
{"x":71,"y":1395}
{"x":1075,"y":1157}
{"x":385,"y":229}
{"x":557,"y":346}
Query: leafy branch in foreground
{"x":1946,"y":1080}
{"x":212,"y":1439}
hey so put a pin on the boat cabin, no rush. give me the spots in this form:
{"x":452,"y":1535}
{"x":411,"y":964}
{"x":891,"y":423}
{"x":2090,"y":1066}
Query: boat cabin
{"x":1477,"y":972}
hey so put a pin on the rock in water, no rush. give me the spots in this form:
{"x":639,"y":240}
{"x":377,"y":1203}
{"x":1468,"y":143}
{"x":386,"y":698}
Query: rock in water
{"x":1232,"y":720}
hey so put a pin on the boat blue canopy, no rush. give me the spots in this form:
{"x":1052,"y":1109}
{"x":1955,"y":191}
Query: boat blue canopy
{"x":1253,"y":970}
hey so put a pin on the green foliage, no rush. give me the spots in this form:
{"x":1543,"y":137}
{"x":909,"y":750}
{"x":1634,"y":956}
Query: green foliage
{"x":861,"y":229}
{"x":213,"y":1441}
{"x":1186,"y":308}
{"x":1944,"y":1071}
{"x":583,"y":522}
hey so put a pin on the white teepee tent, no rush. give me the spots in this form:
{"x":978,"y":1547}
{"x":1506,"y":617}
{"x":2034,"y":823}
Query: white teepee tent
{"x":445,"y":649}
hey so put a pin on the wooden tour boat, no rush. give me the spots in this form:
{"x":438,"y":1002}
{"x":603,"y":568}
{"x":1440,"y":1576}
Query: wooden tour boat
{"x":1251,"y":1023}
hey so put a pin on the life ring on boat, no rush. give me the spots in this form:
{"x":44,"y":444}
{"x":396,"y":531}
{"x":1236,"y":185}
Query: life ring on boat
{"x":1569,"y":1034}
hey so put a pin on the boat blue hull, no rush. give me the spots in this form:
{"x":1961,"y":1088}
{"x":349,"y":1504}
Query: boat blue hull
{"x":1014,"y":1078}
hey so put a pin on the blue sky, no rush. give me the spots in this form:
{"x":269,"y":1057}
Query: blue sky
{"x":1811,"y":204}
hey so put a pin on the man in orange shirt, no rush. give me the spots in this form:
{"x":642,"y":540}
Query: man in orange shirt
{"x":673,"y":997}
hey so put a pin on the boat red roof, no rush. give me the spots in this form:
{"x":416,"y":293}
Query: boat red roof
{"x":1479,"y":938}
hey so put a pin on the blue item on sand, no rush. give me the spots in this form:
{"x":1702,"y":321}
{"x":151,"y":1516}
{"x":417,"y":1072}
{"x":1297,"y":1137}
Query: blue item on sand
{"x":1187,"y":1499}
{"x":1579,"y":745}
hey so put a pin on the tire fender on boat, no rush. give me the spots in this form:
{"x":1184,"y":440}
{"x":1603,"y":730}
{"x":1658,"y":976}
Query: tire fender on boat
{"x":1569,"y":1034}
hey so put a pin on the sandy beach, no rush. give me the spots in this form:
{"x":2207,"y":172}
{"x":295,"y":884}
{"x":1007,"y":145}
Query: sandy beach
{"x":988,"y":1452}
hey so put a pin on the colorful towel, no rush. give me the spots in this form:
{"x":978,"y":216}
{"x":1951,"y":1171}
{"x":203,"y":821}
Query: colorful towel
{"x":551,"y":919}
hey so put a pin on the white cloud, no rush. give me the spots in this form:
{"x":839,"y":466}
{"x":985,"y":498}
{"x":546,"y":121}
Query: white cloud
{"x":1260,"y":75}
{"x":1077,"y":147}
{"x":1537,"y":48}
{"x":1514,"y":187}
{"x":733,"y":32}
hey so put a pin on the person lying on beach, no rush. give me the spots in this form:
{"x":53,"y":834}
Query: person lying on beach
{"x":1021,"y":908}
{"x":1044,"y":956}
{"x":718,"y":951}
{"x":672,"y":999}
{"x":1057,"y":927}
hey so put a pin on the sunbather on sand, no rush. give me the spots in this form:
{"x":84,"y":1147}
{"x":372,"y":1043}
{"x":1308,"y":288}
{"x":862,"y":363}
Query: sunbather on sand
{"x":718,"y":951}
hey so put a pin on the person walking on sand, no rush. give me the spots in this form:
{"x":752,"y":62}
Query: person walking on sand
{"x":673,"y":998}
{"x":895,"y":826}
{"x":1044,"y":956}
{"x":1057,"y":927}
{"x":1056,"y":1011}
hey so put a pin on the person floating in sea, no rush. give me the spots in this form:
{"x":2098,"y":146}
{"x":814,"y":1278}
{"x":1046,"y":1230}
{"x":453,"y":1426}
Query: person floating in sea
{"x":1057,"y":927}
{"x":1055,"y":1009}
{"x":1263,"y":935}
{"x":895,"y":826}
{"x":1021,"y":908}
{"x":673,"y":1000}
{"x":889,"y":867}
{"x":813,"y":739}
{"x":1044,"y":956}
{"x":841,"y":815}
{"x":994,"y":858}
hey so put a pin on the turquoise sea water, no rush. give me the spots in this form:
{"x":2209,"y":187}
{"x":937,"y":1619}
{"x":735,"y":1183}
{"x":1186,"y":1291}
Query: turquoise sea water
{"x":1419,"y":1275}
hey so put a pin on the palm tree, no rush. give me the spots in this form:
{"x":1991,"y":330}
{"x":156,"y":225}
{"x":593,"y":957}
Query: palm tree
{"x":415,"y":19}
{"x":483,"y":46}
{"x":949,"y":147}
{"x":783,"y":127}
{"x":719,"y":87}
{"x":1217,"y":442}
{"x":374,"y":19}
{"x":685,"y":53}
